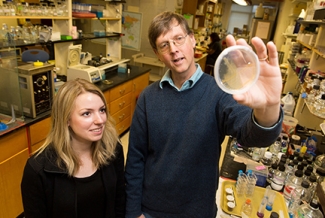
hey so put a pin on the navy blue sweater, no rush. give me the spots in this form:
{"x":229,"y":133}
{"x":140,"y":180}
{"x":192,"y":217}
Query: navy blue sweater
{"x":174,"y":147}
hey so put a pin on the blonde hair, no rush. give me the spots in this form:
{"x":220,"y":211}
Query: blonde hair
{"x":59,"y":137}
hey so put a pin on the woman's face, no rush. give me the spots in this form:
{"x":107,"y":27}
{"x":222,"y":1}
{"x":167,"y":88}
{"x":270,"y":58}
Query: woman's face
{"x":88,"y":118}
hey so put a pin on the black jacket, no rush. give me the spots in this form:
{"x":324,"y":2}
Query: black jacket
{"x":44,"y":185}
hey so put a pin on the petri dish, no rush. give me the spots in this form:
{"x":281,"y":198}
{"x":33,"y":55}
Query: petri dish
{"x":236,"y":69}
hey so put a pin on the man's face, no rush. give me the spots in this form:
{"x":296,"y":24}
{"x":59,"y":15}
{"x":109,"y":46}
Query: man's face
{"x":178,"y":58}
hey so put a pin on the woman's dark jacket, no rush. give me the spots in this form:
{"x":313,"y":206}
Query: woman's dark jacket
{"x":44,"y":184}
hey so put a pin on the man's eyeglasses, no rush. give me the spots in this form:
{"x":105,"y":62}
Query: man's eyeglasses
{"x":165,"y":46}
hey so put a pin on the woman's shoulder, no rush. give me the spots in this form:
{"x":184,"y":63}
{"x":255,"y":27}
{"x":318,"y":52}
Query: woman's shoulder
{"x":43,"y":159}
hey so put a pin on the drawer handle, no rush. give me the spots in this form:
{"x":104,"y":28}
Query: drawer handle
{"x":122,"y":104}
{"x":121,"y":117}
{"x":120,"y":129}
{"x":122,"y":91}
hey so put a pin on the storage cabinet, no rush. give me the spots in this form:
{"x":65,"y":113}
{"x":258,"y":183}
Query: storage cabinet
{"x":119,"y":106}
{"x":123,"y":100}
{"x":38,"y":133}
{"x":139,"y":84}
{"x":13,"y":156}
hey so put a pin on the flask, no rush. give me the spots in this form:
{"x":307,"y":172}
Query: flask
{"x":247,"y":209}
{"x":310,"y":210}
{"x":293,"y":182}
{"x":278,"y":178}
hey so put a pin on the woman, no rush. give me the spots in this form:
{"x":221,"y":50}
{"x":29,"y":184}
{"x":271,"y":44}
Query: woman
{"x":79,"y":170}
{"x":214,"y":50}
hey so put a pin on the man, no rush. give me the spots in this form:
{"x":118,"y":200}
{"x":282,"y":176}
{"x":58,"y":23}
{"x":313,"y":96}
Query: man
{"x":172,"y":167}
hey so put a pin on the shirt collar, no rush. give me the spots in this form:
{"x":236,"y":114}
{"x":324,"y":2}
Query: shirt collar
{"x":187,"y":84}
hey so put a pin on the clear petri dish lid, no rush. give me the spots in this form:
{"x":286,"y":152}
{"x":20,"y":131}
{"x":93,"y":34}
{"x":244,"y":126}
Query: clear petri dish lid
{"x":236,"y":69}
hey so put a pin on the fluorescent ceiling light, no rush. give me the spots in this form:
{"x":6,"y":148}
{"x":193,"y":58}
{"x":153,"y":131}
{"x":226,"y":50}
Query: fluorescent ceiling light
{"x":242,"y":2}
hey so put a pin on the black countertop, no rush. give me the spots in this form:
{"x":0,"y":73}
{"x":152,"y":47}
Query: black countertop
{"x":114,"y":77}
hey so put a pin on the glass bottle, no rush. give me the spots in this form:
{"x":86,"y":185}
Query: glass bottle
{"x":293,"y":182}
{"x":267,"y":159}
{"x":310,"y":210}
{"x":289,"y":171}
{"x":312,"y":186}
{"x":247,"y":209}
{"x":272,"y":171}
{"x":24,"y":9}
{"x":11,"y":7}
{"x":278,"y":178}
{"x":284,"y":144}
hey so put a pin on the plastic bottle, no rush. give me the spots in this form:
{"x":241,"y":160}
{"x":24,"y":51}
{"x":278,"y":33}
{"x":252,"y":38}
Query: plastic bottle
{"x":309,"y":210}
{"x":293,"y":182}
{"x":247,"y":209}
{"x":289,"y":103}
{"x":241,"y":183}
{"x":278,"y":178}
{"x":251,"y":183}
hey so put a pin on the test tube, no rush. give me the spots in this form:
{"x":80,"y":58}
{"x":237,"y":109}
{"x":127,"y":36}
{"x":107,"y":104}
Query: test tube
{"x":260,"y":212}
{"x":271,"y":197}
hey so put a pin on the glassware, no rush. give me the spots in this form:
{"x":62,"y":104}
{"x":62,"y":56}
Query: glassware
{"x":25,"y":8}
{"x":272,"y":171}
{"x":278,"y":178}
{"x":309,"y":210}
{"x":267,"y":159}
{"x":256,"y":154}
{"x":293,"y":182}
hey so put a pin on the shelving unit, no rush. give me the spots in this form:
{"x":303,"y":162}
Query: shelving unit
{"x":306,"y":115}
{"x":203,"y":12}
{"x":112,"y":26}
